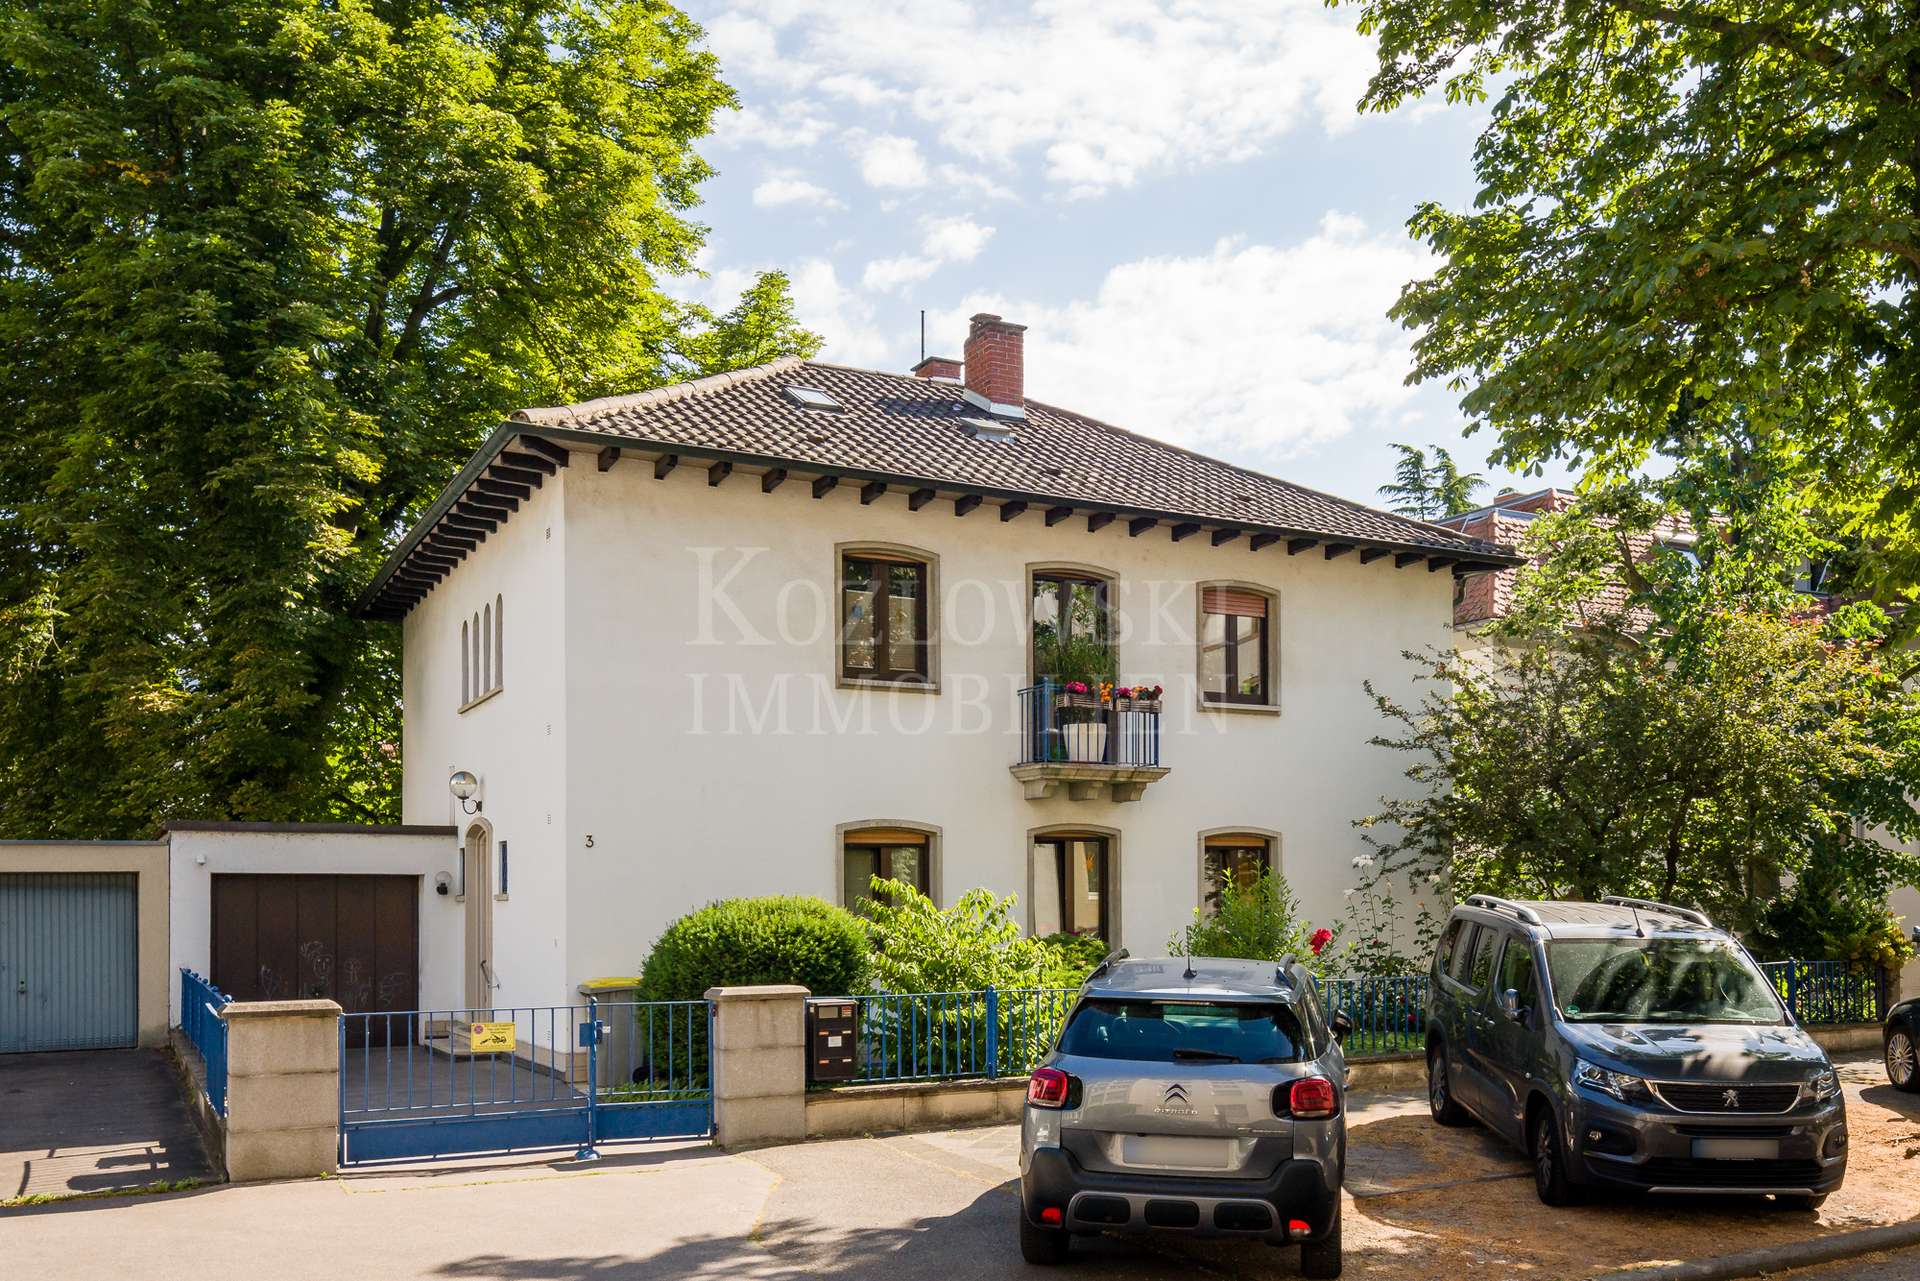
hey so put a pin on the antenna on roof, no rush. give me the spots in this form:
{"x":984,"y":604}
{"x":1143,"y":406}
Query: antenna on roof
{"x":1189,"y":950}
{"x":1638,"y":931}
{"x":923,"y":333}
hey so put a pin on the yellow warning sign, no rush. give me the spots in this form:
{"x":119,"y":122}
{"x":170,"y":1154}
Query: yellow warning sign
{"x":489,"y":1038}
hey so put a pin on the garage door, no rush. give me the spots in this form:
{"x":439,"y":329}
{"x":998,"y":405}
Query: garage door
{"x":351,"y":939}
{"x":69,"y":968}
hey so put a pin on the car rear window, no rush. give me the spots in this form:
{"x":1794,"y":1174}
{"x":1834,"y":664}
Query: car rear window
{"x":1179,"y":1031}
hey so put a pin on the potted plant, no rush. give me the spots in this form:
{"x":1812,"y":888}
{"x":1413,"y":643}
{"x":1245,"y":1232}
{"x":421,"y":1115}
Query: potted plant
{"x":1082,"y":709}
{"x":1137,"y":698}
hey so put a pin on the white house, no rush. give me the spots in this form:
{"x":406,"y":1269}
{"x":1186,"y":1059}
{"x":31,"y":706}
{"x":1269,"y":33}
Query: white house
{"x":767,"y":632}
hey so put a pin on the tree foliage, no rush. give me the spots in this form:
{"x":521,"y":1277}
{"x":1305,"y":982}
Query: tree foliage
{"x":1429,"y":491}
{"x":1691,"y":216}
{"x":919,"y":946}
{"x":1258,"y":921}
{"x":269,"y":269}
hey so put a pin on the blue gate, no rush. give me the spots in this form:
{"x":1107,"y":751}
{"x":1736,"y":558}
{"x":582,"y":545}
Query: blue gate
{"x":439,"y":1083}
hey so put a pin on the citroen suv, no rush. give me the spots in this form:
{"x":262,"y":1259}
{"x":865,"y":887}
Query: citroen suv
{"x":1196,"y":1096}
{"x":1629,"y":1044}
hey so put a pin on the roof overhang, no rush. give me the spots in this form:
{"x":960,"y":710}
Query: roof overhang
{"x":378,"y":601}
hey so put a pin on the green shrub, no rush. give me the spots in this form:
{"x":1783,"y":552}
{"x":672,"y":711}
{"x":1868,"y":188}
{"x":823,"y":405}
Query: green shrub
{"x":1071,"y":957}
{"x":918,"y":947}
{"x":1258,"y":922}
{"x":758,"y":940}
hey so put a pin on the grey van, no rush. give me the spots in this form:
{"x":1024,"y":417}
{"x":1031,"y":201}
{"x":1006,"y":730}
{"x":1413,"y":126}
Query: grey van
{"x":1197,"y":1096}
{"x":1629,"y":1044}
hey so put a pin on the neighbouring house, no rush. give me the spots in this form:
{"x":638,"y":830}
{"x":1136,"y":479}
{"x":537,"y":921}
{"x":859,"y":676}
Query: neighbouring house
{"x":779,"y":630}
{"x":1479,"y":599}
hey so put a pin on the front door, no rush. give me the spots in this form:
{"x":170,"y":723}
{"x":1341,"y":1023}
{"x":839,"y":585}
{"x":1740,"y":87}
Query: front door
{"x":479,"y":887}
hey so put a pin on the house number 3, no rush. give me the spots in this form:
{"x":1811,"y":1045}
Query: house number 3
{"x":589,"y":840}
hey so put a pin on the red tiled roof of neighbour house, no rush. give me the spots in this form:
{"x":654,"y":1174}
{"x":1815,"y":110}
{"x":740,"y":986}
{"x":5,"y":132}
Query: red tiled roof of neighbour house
{"x":1489,"y":596}
{"x":917,"y":434}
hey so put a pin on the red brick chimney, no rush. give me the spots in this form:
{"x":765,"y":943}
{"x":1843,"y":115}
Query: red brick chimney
{"x":995,"y":361}
{"x":937,"y":367}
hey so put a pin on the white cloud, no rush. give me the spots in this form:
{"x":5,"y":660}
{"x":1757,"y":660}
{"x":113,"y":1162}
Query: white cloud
{"x":1254,"y":352}
{"x":797,"y":124}
{"x":955,"y":239}
{"x":786,"y":188}
{"x":942,"y":240}
{"x":1104,"y":92}
{"x":892,"y":161}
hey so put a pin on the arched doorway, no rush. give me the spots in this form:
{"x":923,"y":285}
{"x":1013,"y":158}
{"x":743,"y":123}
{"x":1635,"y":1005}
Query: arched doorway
{"x":476,"y":881}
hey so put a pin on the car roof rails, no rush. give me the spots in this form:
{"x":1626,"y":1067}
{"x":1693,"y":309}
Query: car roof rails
{"x":1106,"y":963}
{"x":1684,"y":913}
{"x":1493,"y":904}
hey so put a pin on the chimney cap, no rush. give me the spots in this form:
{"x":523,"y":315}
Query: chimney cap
{"x":925,"y":361}
{"x":988,"y":320}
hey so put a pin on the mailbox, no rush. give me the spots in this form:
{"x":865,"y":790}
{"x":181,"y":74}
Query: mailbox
{"x":830,"y":1040}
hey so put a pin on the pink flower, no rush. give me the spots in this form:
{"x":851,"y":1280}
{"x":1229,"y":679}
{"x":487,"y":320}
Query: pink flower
{"x":1076,"y":687}
{"x":1321,"y":937}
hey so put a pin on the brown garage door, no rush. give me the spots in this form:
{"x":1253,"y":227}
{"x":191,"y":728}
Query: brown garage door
{"x":352,"y":939}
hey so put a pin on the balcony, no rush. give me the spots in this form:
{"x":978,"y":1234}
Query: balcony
{"x":1095,"y":750}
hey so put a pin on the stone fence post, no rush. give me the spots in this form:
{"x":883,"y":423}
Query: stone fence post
{"x":759,"y":1064}
{"x":283,"y":1089}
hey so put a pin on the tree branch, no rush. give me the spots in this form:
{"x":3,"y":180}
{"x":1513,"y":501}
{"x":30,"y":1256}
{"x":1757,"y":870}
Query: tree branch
{"x":1771,"y":34}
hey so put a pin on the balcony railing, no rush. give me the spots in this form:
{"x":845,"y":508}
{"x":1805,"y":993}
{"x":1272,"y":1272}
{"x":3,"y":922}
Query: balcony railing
{"x":1096,"y":748}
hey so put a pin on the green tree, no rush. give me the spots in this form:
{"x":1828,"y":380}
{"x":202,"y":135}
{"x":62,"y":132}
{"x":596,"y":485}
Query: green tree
{"x":1578,"y":765}
{"x":1431,"y":491}
{"x":269,"y":269}
{"x":1696,"y":213}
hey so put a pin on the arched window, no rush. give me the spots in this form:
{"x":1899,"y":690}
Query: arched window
{"x":482,"y":650}
{"x":466,"y":667}
{"x":499,"y":646}
{"x":486,"y":649}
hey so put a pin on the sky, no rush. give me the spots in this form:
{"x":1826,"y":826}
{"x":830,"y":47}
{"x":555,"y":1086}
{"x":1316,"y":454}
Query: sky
{"x":1178,"y":199}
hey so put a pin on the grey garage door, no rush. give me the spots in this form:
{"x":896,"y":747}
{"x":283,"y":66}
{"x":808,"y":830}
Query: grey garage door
{"x":69,"y":974}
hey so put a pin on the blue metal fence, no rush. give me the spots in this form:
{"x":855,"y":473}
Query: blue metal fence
{"x":928,"y":1036}
{"x":1057,"y":729}
{"x":433,"y":1083}
{"x":1389,"y":1012}
{"x":1820,"y":992}
{"x":200,"y":1003}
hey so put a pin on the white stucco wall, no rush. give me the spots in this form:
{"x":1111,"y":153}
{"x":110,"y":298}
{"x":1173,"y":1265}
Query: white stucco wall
{"x":514,"y":741}
{"x":195,"y":856}
{"x":683,"y":807}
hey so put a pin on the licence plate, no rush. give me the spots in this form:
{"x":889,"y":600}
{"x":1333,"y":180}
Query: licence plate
{"x":1179,"y":1152}
{"x":1736,"y":1149}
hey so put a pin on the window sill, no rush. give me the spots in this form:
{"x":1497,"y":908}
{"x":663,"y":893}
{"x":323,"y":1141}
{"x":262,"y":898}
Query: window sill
{"x":469,"y":706}
{"x":1257,"y":709}
{"x":499,"y":898}
{"x":903,"y":687}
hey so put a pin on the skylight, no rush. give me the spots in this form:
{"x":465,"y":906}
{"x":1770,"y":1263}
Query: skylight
{"x":988,"y":429}
{"x":813,"y":398}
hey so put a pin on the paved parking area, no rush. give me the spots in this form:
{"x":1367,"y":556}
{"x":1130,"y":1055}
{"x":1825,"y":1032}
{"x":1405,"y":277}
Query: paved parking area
{"x":939,"y":1206}
{"x":98,"y":1121}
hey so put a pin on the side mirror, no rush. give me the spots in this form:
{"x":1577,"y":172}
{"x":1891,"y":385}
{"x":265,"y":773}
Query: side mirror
{"x":1510,"y":1006}
{"x":1340,"y":1024}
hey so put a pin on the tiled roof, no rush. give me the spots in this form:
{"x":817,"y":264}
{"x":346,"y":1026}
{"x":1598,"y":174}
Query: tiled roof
{"x":915,"y":428}
{"x":908,"y":431}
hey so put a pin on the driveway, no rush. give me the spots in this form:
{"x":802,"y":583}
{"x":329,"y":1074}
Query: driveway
{"x":98,"y":1121}
{"x":927,"y":1207}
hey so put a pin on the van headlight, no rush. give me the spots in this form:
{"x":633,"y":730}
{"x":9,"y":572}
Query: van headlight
{"x":1628,"y":1089}
{"x":1824,"y":1085}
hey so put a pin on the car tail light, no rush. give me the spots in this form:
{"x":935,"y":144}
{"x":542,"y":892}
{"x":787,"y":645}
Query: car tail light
{"x":1312,"y":1099}
{"x":1048,"y":1087}
{"x":1299,"y":1229}
{"x":1051,"y":1216}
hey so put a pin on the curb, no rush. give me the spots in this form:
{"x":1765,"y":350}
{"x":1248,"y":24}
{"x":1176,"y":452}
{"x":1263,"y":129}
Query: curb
{"x":1800,"y":1254}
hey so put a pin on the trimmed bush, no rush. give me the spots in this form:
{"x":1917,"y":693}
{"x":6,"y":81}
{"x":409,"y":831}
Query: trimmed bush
{"x":1071,"y":957}
{"x":775,"y":939}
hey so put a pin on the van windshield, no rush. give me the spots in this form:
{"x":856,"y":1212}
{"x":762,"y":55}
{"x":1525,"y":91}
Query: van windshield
{"x":1193,"y":1032}
{"x":1658,"y":981}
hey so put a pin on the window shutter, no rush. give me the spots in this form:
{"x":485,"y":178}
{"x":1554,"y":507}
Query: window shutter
{"x":1233,"y":600}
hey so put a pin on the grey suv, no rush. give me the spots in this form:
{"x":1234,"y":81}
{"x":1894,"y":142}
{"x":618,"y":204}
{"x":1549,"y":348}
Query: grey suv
{"x":1198,"y":1096}
{"x":1629,"y":1044}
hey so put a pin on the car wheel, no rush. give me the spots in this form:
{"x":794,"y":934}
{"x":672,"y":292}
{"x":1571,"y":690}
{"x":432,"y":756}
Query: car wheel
{"x":1901,"y":1068}
{"x":1805,"y":1203}
{"x":1550,"y":1163}
{"x":1043,"y":1246}
{"x":1440,"y":1101}
{"x":1322,"y":1258}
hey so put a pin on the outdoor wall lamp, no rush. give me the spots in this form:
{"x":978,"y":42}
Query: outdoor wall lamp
{"x":463,"y":784}
{"x":442,"y":883}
